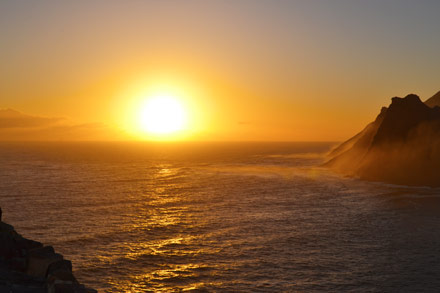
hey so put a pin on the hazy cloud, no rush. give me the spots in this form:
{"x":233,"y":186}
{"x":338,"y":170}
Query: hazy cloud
{"x":13,"y":119}
{"x":16,"y":126}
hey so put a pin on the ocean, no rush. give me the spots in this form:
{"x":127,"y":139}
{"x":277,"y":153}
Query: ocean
{"x":220,"y":217}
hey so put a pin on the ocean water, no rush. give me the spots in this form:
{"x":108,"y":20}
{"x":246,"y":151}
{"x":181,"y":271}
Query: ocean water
{"x":220,"y":217}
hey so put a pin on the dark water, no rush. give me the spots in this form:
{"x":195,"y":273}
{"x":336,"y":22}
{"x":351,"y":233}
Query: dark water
{"x":249,"y":217}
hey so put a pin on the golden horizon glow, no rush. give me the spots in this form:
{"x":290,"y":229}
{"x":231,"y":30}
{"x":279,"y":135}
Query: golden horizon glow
{"x":162,"y":115}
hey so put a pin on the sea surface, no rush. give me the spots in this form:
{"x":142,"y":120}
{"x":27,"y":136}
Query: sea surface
{"x":220,"y":217}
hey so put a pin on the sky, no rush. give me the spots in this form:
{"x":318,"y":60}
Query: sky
{"x":261,"y":70}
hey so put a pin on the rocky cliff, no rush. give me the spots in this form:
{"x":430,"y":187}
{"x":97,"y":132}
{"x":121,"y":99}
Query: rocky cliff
{"x":401,"y":146}
{"x":29,"y":266}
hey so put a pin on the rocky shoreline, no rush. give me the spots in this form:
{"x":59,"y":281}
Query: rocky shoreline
{"x":29,"y":266}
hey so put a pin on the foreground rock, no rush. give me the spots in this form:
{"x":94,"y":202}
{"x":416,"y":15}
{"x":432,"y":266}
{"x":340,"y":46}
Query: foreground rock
{"x":401,"y":146}
{"x":28,"y":266}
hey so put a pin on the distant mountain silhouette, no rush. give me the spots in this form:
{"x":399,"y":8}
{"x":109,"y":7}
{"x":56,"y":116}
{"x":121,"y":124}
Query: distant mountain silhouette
{"x":434,"y":100}
{"x":401,"y":146}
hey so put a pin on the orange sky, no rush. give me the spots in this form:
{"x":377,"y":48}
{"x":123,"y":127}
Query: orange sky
{"x":246,"y":70}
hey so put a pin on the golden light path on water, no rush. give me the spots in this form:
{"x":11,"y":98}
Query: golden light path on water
{"x":162,"y":218}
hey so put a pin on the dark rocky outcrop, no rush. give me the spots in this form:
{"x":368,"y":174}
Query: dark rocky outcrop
{"x":29,"y":266}
{"x":401,"y":146}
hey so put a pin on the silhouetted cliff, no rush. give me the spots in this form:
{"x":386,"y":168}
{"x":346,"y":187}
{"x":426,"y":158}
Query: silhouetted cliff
{"x":29,"y":266}
{"x":401,"y":146}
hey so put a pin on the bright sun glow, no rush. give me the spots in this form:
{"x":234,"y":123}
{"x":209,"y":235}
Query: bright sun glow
{"x":162,"y":115}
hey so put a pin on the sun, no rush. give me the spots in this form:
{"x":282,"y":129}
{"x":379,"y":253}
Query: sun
{"x":162,"y":115}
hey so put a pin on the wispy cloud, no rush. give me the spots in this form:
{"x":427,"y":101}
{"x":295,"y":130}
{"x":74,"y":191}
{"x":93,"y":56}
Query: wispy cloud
{"x":13,"y":119}
{"x":16,"y":126}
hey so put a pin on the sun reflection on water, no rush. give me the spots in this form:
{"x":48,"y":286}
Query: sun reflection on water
{"x":169,"y":278}
{"x":166,"y":221}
